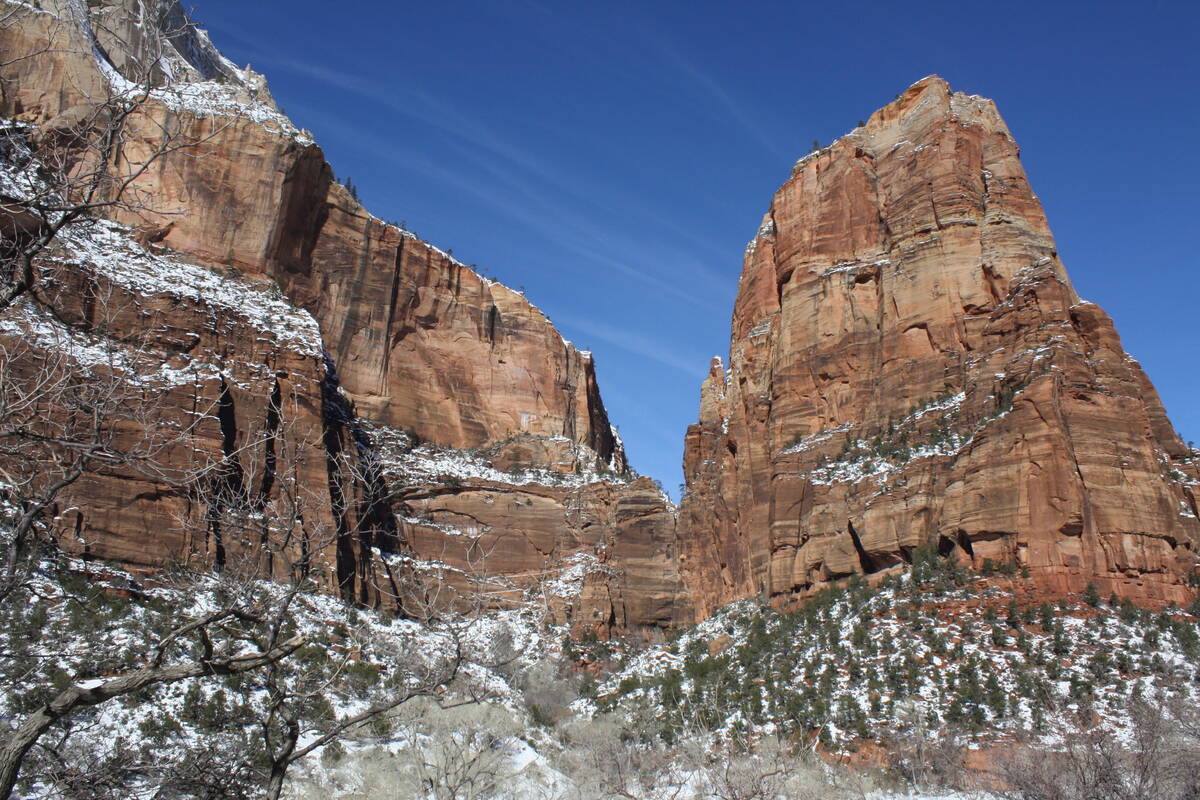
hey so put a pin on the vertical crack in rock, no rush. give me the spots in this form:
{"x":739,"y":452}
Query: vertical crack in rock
{"x":267,"y":482}
{"x":358,"y":476}
{"x":353,"y":318}
{"x":568,"y":394}
{"x":393,"y":298}
{"x":964,"y":541}
{"x":229,"y":483}
{"x":270,"y":446}
{"x":332,"y":416}
{"x":493,"y":318}
{"x":864,"y":559}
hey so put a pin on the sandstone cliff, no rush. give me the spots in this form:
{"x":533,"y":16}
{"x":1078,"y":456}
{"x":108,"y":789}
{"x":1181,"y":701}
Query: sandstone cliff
{"x":404,"y":345}
{"x":910,"y":365}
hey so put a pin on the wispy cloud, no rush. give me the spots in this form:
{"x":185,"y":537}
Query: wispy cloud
{"x":521,"y":172}
{"x":543,"y":217}
{"x":708,"y":87}
{"x":702,"y":84}
{"x":651,"y":349}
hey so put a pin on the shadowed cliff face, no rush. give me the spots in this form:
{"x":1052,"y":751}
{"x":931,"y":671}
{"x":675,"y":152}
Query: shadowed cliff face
{"x":910,"y":365}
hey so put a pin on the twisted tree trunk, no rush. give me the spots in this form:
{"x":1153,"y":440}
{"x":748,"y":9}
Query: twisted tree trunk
{"x":94,"y":692}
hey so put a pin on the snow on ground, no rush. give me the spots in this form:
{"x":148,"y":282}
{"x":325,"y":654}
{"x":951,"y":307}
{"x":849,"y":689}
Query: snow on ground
{"x":109,"y":250}
{"x":42,"y":331}
{"x":435,"y":464}
{"x":812,"y":440}
{"x":228,"y":101}
{"x":19,"y":178}
{"x":845,"y":651}
{"x":878,"y":458}
{"x":943,"y":654}
{"x":569,"y":583}
{"x":57,"y":640}
{"x":860,"y":461}
{"x":238,"y":95}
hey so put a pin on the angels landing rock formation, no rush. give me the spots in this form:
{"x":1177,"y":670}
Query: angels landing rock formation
{"x":910,"y":365}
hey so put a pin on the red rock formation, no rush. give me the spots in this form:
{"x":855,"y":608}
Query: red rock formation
{"x":253,"y":194}
{"x":417,"y":341}
{"x":205,"y":378}
{"x":601,"y":554}
{"x":910,"y":366}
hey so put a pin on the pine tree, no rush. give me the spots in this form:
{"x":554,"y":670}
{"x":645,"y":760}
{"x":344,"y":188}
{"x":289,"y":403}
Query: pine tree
{"x":1046,"y":617}
{"x":1059,"y":644}
{"x":1014,"y":614}
{"x":995,"y":695}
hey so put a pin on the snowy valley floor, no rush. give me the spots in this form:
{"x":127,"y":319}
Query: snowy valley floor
{"x":864,"y":692}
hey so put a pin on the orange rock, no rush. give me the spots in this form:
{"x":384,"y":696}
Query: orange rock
{"x":911,"y":366}
{"x":417,"y":342}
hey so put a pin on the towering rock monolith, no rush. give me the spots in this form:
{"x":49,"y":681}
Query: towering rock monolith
{"x":911,"y":366}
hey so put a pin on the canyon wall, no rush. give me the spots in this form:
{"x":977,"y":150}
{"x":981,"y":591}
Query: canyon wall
{"x":421,"y":395}
{"x":910,"y":366}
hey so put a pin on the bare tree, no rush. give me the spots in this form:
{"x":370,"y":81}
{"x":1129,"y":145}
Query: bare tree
{"x":86,"y":164}
{"x":57,"y":420}
{"x":337,"y":686}
{"x":620,"y":756}
{"x":297,"y":700}
{"x":256,"y":626}
{"x":1159,"y":758}
{"x":213,"y":661}
{"x":924,"y":754}
{"x":459,"y":754}
{"x":81,"y":400}
{"x":76,"y":404}
{"x":73,"y":404}
{"x":12,"y":15}
{"x":75,"y":400}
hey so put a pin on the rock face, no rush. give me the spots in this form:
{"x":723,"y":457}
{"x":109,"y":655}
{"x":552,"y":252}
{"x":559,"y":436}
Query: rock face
{"x":253,"y":194}
{"x":910,"y":365}
{"x":212,"y":384}
{"x":408,"y":347}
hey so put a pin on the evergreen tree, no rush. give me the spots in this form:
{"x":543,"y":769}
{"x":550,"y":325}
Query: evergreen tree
{"x":995,"y":695}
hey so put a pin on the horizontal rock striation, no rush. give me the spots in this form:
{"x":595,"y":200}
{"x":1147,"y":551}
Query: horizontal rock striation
{"x":910,"y":365}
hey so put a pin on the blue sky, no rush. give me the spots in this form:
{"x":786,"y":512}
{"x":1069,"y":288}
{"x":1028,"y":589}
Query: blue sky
{"x":614,"y":158}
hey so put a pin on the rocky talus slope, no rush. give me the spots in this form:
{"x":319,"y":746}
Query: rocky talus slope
{"x":521,"y":482}
{"x":910,"y":364}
